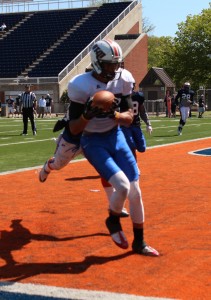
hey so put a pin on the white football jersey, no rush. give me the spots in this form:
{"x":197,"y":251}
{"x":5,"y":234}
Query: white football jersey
{"x":84,"y":86}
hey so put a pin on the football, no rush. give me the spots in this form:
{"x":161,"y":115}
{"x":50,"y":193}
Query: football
{"x":103,"y":99}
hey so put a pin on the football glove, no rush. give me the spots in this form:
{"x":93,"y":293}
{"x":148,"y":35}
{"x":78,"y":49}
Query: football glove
{"x":60,"y":124}
{"x":149,"y":129}
{"x":112,"y":111}
{"x":91,"y":112}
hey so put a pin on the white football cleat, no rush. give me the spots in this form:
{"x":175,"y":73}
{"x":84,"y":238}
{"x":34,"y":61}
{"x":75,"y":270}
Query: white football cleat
{"x":149,"y":251}
{"x":179,"y":131}
{"x":140,"y":248}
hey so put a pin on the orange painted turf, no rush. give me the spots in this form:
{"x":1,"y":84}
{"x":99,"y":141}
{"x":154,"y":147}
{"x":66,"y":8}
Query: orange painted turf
{"x":62,"y":239}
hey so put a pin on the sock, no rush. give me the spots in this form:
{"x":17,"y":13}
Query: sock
{"x":114,"y":219}
{"x":139,"y":236}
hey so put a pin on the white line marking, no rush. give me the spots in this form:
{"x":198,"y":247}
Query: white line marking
{"x":67,"y":293}
{"x":26,"y":142}
{"x":78,"y":160}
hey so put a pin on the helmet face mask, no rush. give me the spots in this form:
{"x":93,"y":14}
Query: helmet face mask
{"x":103,"y":54}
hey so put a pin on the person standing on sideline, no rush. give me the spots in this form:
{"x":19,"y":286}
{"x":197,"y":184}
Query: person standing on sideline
{"x":28,"y":102}
{"x":201,"y":108}
{"x":102,"y":135}
{"x":42,"y":106}
{"x":49,"y":102}
{"x":173,"y":107}
{"x":17,"y":105}
{"x":168,"y":103}
{"x":11,"y":106}
{"x":184,"y":100}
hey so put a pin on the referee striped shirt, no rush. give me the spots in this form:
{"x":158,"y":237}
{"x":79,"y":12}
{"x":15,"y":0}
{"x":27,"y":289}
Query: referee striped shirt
{"x":28,"y":99}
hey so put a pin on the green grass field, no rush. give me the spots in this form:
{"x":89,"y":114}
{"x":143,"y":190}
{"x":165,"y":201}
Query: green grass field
{"x":29,"y":151}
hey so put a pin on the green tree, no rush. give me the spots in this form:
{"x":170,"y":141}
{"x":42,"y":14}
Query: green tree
{"x":187,"y":56}
{"x":192,"y":47}
{"x":159,"y":48}
{"x":64,"y":97}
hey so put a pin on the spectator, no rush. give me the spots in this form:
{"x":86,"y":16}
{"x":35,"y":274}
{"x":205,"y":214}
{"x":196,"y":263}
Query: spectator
{"x":49,"y":102}
{"x":29,"y":103}
{"x":17,"y":105}
{"x":11,"y":106}
{"x":173,"y":107}
{"x":168,"y":103}
{"x":3,"y":27}
{"x":41,"y":106}
{"x":201,"y":108}
{"x":165,"y":101}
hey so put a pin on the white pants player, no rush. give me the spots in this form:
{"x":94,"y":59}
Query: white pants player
{"x":184,"y":113}
{"x":64,"y":153}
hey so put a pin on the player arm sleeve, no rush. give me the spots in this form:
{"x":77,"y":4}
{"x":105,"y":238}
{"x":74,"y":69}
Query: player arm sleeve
{"x":75,"y":110}
{"x":126,"y":103}
{"x":177,"y":99}
{"x":144,"y":115}
{"x":77,"y":122}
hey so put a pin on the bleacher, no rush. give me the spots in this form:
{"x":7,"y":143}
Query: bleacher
{"x":11,"y":19}
{"x":43,"y":29}
{"x":28,"y":41}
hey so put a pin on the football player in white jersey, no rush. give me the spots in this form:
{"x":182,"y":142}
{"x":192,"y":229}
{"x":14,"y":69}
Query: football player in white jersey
{"x":103,"y":136}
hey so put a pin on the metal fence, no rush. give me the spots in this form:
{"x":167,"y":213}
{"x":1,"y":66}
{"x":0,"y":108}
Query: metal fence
{"x":155,"y":107}
{"x":14,"y":6}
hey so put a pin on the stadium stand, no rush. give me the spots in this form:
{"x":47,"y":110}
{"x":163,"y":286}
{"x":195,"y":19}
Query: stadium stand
{"x":27,"y":42}
{"x":47,"y":47}
{"x":80,"y":38}
{"x":11,"y":19}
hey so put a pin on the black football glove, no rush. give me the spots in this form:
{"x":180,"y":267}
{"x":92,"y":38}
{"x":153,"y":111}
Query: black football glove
{"x":91,"y":112}
{"x":113,"y":110}
{"x":115,"y":104}
{"x":60,"y":124}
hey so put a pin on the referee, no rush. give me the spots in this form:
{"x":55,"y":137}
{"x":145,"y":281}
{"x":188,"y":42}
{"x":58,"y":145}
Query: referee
{"x":28,"y":102}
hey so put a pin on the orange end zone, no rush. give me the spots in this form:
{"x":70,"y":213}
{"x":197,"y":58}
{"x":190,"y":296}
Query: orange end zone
{"x":54,"y":233}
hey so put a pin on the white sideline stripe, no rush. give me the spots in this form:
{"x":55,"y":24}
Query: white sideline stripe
{"x":176,"y":143}
{"x":26,"y":142}
{"x":78,"y":160}
{"x":36,"y":168}
{"x":66,"y":293}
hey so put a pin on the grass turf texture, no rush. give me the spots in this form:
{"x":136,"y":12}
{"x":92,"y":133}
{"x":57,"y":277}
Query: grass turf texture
{"x":18,"y":151}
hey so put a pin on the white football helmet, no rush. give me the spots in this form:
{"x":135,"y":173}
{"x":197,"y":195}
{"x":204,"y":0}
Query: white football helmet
{"x":105,"y":51}
{"x":187,"y":85}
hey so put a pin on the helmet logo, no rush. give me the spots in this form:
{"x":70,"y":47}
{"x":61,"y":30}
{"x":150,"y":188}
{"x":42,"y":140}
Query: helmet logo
{"x":99,"y":53}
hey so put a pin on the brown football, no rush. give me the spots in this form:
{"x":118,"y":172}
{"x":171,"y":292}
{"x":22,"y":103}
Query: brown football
{"x":103,"y":99}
